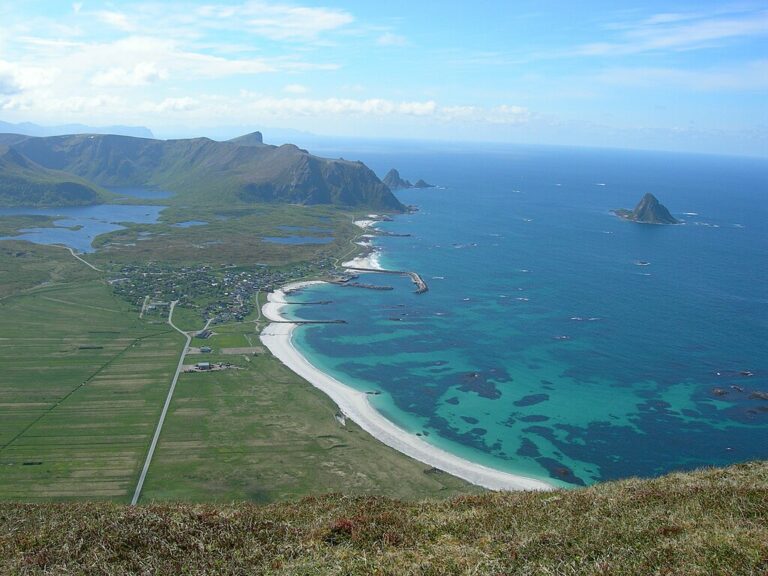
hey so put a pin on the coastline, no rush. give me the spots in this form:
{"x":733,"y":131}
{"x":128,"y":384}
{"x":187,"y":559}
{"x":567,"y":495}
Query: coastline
{"x":355,"y":405}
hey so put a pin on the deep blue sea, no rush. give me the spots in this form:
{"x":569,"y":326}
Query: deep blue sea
{"x":556,"y":340}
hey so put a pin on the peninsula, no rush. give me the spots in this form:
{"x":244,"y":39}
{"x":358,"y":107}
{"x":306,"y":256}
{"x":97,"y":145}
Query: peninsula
{"x":648,"y":211}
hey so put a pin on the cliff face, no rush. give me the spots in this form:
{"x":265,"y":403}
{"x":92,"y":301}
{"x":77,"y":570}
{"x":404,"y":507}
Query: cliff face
{"x":648,"y":211}
{"x":243,"y":169}
{"x":394,"y":182}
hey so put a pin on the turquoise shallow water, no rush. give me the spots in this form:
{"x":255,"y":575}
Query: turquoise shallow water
{"x":543,"y":347}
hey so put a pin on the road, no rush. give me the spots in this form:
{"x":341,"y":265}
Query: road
{"x":81,"y":260}
{"x":156,"y":437}
{"x":143,"y":307}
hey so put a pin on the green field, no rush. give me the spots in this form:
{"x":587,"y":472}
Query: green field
{"x":84,"y":381}
{"x":261,"y":433}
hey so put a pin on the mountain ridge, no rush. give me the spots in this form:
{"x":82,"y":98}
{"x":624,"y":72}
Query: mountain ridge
{"x":240,"y":170}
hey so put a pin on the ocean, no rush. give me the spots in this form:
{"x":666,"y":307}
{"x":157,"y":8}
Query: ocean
{"x":557,"y":341}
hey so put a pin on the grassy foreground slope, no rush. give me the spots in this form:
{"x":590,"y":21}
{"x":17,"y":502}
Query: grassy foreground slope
{"x":707,"y":522}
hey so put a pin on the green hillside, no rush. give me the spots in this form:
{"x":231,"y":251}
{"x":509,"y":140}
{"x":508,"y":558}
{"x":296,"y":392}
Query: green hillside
{"x":204,"y":171}
{"x":25,"y":183}
{"x":709,"y":522}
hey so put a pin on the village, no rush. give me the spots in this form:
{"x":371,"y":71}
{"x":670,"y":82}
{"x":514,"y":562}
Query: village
{"x":221,"y":295}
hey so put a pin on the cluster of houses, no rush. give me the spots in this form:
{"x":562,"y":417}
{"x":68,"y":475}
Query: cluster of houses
{"x":224,"y":294}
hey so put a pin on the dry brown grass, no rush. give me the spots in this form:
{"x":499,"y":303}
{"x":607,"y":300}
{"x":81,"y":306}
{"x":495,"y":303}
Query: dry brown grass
{"x":712,"y":521}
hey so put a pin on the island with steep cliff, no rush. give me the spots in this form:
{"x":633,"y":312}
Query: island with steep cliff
{"x":648,"y":211}
{"x":395,"y":182}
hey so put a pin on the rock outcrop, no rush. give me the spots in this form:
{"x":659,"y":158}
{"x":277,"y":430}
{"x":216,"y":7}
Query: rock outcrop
{"x":648,"y":211}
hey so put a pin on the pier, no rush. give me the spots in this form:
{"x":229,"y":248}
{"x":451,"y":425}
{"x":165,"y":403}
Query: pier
{"x":360,"y":285}
{"x":308,"y":321}
{"x":421,"y":285}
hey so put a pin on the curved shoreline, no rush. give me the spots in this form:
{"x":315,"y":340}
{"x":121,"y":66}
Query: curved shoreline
{"x":277,"y":337}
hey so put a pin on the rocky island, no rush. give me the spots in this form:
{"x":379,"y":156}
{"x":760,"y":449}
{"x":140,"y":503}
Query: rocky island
{"x":648,"y":211}
{"x":395,"y":182}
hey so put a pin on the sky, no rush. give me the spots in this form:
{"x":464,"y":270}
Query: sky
{"x":668,"y":75}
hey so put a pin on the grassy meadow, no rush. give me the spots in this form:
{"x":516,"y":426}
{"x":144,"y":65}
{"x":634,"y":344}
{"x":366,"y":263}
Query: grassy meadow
{"x":84,"y":381}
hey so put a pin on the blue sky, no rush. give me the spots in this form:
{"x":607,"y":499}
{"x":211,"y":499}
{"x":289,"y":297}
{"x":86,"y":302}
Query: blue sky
{"x":670,"y":75}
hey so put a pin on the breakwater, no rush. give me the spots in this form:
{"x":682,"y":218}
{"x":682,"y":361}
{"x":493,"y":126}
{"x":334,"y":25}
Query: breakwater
{"x":421,"y":285}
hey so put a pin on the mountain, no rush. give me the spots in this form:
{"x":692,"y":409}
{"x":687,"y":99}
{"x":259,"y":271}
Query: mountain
{"x":252,"y":139}
{"x":648,"y":211}
{"x":394,"y":182}
{"x":25,"y":183}
{"x":422,"y":184}
{"x":202,"y":170}
{"x":30,"y":129}
{"x":711,"y":521}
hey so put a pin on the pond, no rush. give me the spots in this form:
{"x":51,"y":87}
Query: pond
{"x":78,"y":226}
{"x":190,"y":223}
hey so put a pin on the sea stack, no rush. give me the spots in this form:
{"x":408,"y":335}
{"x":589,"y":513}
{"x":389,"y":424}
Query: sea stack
{"x":394,"y":182}
{"x":648,"y":211}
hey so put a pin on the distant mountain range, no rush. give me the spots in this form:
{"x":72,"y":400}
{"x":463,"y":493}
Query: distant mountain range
{"x":30,"y":129}
{"x":242,"y":170}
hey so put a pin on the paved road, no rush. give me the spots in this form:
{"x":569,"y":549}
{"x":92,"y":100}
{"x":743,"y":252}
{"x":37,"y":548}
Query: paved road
{"x":156,"y":437}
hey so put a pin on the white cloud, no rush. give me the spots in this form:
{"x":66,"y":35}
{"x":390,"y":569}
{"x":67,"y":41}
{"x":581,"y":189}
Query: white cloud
{"x":141,"y":74}
{"x":8,"y":83}
{"x":117,"y":20}
{"x":506,"y":114}
{"x":679,"y":32}
{"x":295,"y":89}
{"x":276,"y":21}
{"x":391,"y":39}
{"x":339,"y":107}
{"x":19,"y":77}
{"x":502,"y":114}
{"x":183,"y":104}
{"x":76,"y":7}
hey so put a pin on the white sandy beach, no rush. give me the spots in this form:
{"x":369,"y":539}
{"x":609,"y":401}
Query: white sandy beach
{"x":367,"y":223}
{"x":370,"y":260}
{"x":355,"y":406}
